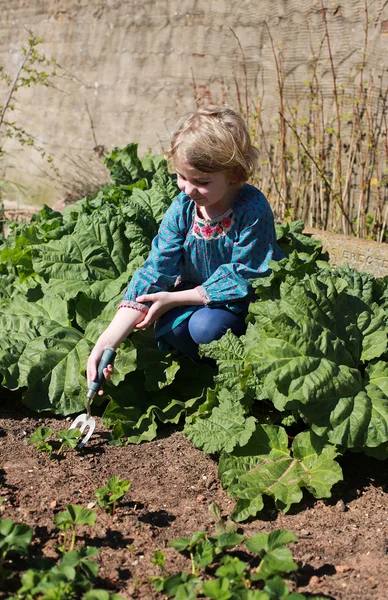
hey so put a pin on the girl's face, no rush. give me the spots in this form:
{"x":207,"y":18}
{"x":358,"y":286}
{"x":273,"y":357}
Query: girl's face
{"x":215,"y":191}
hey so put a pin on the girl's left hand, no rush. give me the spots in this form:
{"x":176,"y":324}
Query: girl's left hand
{"x":161,"y":303}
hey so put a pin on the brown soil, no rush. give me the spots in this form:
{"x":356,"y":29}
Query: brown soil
{"x":343,"y":542}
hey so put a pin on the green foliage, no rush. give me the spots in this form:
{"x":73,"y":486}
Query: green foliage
{"x":62,"y":277}
{"x":218,"y":574}
{"x":69,"y":578}
{"x":109,"y":494}
{"x":40,"y":434}
{"x":14,"y":537}
{"x":68,"y":437}
{"x":311,"y":365}
{"x":73,"y":517}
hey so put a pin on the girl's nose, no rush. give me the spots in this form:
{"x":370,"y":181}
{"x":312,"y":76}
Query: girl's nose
{"x":190,"y":189}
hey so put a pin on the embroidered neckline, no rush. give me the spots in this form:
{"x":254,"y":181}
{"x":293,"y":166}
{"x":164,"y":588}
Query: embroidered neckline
{"x":212,"y":229}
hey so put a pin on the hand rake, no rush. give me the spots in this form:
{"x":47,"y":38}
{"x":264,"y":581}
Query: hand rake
{"x":86,"y":421}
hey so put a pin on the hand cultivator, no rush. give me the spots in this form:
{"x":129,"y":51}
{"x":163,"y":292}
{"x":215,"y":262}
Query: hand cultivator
{"x":86,"y":421}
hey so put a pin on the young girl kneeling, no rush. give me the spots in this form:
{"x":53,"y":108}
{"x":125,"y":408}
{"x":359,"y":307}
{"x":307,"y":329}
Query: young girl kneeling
{"x":216,"y":236}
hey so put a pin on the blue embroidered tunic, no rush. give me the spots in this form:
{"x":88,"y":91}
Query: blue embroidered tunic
{"x":217,"y":256}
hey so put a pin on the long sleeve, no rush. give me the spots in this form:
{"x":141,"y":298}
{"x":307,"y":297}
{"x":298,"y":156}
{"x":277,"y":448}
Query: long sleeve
{"x":254,"y":245}
{"x":161,"y":268}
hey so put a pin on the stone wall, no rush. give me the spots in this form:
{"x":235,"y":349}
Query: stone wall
{"x":364,"y":255}
{"x":133,"y":66}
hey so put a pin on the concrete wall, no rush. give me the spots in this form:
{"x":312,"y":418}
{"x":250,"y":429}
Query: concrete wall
{"x":131,"y":66}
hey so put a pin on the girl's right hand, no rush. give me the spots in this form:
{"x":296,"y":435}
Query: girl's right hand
{"x":92,"y":367}
{"x":119,"y":328}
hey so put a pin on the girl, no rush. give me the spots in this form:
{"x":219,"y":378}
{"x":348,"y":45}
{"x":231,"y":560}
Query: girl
{"x":217,"y":235}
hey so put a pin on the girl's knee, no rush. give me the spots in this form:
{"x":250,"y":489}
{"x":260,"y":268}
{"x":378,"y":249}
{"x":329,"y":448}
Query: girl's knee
{"x":207,"y":325}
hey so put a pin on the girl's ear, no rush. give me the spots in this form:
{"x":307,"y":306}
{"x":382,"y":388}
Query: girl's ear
{"x":234,"y":177}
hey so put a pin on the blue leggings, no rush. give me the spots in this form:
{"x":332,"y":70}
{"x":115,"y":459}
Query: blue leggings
{"x":205,"y":325}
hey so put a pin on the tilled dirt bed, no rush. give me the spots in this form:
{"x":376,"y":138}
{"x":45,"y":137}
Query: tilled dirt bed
{"x":342,"y":547}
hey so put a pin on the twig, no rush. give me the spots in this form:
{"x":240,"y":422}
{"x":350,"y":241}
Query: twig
{"x":245,"y":76}
{"x":91,"y":124}
{"x":336,"y":102}
{"x":321,"y":173}
{"x":280,"y":77}
{"x":6,"y":105}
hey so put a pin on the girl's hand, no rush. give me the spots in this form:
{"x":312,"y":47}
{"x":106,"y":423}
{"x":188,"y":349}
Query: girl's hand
{"x":92,"y":367}
{"x":161,"y":303}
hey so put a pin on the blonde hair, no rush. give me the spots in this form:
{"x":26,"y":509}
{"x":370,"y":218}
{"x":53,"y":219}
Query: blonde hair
{"x":213,"y":139}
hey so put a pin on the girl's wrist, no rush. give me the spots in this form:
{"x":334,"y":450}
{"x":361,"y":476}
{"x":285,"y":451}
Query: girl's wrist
{"x":104,"y":344}
{"x":187,"y":297}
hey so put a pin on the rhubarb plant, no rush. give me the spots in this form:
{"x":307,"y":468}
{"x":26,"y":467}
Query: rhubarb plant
{"x":311,"y":367}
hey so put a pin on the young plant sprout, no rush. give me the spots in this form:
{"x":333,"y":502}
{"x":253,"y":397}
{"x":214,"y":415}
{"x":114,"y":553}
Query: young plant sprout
{"x":109,"y":494}
{"x":39,"y":437}
{"x":73,"y":517}
{"x":68,"y":438}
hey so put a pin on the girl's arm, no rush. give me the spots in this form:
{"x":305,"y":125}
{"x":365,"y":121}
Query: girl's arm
{"x":161,"y":268}
{"x":119,"y":328}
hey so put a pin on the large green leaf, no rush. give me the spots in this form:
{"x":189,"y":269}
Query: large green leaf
{"x":360,"y":420}
{"x":266,"y":466}
{"x":299,"y":363}
{"x":21,"y":324}
{"x":49,"y":356}
{"x":225,"y":428}
{"x":124,"y":165}
{"x":233,"y":371}
{"x":97,"y":249}
{"x":136,"y":412}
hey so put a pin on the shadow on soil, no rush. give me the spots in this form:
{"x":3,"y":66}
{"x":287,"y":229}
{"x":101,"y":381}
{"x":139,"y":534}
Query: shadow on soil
{"x":112,"y":538}
{"x":157,"y":518}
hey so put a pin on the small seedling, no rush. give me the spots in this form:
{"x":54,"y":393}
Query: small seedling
{"x":275,"y":557}
{"x":222,"y":525}
{"x":158,"y":560}
{"x":101,"y":595}
{"x":39,"y":437}
{"x":72,"y":518}
{"x":69,"y":438}
{"x":44,"y":447}
{"x":109,"y":494}
{"x":218,"y":574}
